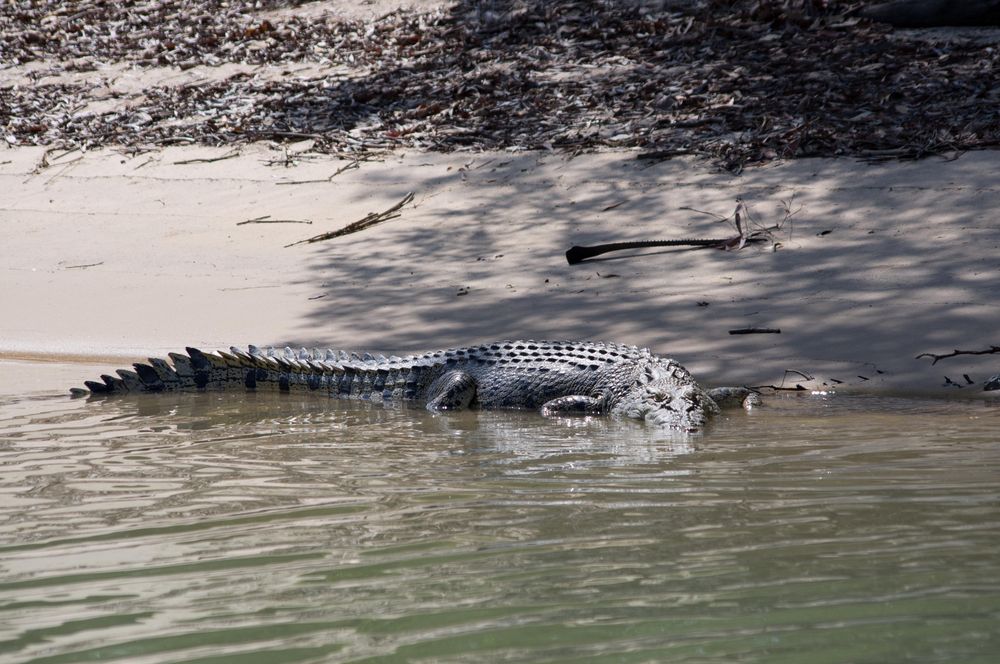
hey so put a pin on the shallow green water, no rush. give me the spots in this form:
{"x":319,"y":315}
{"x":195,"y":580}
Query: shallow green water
{"x":222,"y":528}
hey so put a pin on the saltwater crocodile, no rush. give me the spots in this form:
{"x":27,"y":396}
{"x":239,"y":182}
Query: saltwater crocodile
{"x":556,"y":377}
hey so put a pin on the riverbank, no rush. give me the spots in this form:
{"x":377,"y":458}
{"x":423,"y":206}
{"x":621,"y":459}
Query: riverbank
{"x":161,"y":166}
{"x":112,"y":257}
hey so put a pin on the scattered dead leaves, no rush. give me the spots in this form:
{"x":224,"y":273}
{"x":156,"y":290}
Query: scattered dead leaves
{"x":737,"y":82}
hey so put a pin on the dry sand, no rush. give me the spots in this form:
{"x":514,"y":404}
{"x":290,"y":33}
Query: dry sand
{"x":108,"y":258}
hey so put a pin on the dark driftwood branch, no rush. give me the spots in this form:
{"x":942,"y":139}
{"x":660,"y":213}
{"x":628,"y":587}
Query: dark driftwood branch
{"x":756,"y":330}
{"x":370,"y":220}
{"x":990,"y":351}
{"x":577,"y":254}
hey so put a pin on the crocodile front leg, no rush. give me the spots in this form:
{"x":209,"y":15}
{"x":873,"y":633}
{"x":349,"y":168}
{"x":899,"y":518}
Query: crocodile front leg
{"x":454,"y":390}
{"x":734,"y":397}
{"x":575,"y":404}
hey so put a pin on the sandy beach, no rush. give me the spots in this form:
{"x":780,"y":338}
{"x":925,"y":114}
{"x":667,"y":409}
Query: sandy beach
{"x":113,"y":255}
{"x":110,"y":258}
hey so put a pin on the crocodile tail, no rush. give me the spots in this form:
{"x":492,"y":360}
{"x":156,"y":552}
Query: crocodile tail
{"x":236,"y":369}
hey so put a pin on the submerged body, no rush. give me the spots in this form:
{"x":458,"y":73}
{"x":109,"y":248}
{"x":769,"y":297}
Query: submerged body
{"x":556,"y":377}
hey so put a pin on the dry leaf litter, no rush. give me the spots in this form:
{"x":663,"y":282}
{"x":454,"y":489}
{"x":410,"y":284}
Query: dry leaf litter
{"x":736,"y":82}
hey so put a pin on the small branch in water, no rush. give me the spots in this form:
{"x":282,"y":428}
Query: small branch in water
{"x":79,"y":267}
{"x":756,"y":330}
{"x":990,"y":351}
{"x":782,"y":388}
{"x":779,"y":388}
{"x":361,"y":224}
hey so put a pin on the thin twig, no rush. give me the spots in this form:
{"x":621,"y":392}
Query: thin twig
{"x":353,"y":164}
{"x":207,"y":160}
{"x":266,"y":219}
{"x":284,"y":134}
{"x":711,"y":214}
{"x":990,"y":351}
{"x":176,"y":139}
{"x":370,"y":220}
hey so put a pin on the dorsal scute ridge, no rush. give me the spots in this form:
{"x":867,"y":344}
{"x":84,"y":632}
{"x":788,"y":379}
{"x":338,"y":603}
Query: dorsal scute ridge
{"x":240,"y":353}
{"x":131,"y":379}
{"x":166,"y":372}
{"x":182,"y":364}
{"x":229,"y":359}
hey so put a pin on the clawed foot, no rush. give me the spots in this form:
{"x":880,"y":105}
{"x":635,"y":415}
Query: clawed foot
{"x":735,"y":397}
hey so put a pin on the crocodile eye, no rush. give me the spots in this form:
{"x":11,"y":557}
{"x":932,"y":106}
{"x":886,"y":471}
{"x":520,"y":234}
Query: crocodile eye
{"x":659,"y":396}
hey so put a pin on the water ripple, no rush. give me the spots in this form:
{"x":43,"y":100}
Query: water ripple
{"x":213,"y":528}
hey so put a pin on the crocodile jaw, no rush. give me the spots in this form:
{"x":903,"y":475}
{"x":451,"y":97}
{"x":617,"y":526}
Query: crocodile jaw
{"x":663,"y":403}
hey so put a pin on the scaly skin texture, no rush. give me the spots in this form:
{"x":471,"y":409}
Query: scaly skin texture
{"x":556,"y":377}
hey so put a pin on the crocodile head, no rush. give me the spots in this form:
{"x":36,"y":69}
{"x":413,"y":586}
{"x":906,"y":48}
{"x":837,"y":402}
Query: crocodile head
{"x":660,"y":398}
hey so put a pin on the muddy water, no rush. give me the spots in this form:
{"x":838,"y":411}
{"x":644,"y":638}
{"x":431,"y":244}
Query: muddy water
{"x":222,"y":528}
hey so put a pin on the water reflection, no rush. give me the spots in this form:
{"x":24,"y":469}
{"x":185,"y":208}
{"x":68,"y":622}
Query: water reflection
{"x":255,"y":528}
